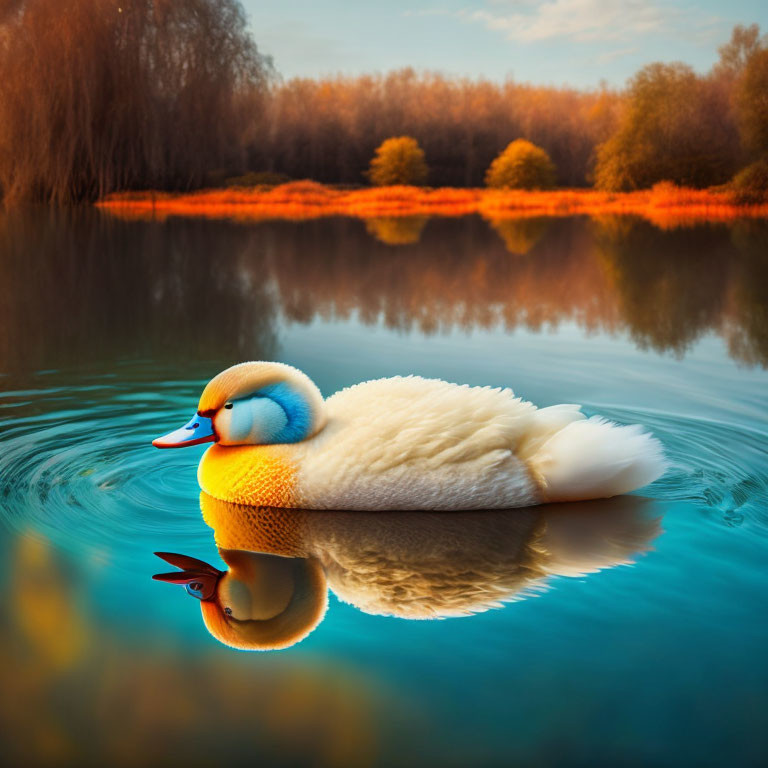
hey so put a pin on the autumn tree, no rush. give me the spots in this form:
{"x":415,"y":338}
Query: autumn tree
{"x":669,"y":130}
{"x":745,"y":42}
{"x":752,"y":103}
{"x":522,"y":165}
{"x":328,"y":128}
{"x":98,"y":95}
{"x":398,"y":161}
{"x":752,"y":109}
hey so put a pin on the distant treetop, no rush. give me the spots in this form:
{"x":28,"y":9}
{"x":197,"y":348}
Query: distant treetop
{"x":522,"y":165}
{"x":745,"y":42}
{"x":398,"y":160}
{"x":674,"y":127}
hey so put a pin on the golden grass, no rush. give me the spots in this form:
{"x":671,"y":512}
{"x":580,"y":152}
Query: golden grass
{"x":665,"y":205}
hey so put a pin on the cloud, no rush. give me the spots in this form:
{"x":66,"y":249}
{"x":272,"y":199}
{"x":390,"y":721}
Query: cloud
{"x":609,"y":56}
{"x":576,"y":20}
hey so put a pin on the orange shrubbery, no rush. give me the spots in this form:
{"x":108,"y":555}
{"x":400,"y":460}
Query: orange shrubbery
{"x":299,"y":200}
{"x":665,"y":204}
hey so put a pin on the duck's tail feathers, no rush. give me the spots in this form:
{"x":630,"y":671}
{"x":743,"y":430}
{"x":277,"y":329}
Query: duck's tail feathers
{"x":595,"y":459}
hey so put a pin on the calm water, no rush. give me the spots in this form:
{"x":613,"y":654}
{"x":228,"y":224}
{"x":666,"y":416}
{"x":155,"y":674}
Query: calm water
{"x":633,"y":632}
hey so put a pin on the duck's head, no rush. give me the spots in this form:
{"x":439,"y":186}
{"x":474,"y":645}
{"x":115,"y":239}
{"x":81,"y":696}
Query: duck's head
{"x":256,"y":403}
{"x":262,"y":603}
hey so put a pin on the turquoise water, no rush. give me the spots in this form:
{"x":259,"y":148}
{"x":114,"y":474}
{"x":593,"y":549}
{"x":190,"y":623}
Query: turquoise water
{"x":627,"y":632}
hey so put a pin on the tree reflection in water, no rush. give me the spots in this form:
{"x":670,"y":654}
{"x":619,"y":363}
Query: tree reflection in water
{"x":82,"y":286}
{"x":80,"y":691}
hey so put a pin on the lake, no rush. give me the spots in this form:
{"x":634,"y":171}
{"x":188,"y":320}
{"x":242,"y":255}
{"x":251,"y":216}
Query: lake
{"x":623,"y":632}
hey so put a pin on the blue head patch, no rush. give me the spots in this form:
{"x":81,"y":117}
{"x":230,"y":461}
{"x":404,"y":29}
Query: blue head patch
{"x":280,"y":412}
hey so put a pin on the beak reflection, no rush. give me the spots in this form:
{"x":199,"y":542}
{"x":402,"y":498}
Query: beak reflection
{"x":199,"y":578}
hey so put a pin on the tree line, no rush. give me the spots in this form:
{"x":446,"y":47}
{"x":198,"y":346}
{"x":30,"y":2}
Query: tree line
{"x":668,"y":124}
{"x":328,"y":129}
{"x":105,"y":95}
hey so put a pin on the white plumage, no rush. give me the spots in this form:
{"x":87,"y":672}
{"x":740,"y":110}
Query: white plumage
{"x":414,"y":443}
{"x":409,"y":443}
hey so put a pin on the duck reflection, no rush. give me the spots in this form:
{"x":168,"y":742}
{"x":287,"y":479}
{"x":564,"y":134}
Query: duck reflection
{"x":411,"y":565}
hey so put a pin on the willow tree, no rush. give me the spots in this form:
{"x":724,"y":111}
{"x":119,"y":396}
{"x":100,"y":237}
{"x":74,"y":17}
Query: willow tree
{"x":99,"y":95}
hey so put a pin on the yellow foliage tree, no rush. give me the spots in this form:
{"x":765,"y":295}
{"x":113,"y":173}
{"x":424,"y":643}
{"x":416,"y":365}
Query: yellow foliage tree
{"x":667,"y":133}
{"x":752,"y":103}
{"x":398,"y":160}
{"x":522,"y":165}
{"x":751,"y":183}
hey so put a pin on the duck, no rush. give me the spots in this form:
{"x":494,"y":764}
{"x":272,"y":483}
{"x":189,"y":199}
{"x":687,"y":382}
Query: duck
{"x":403,"y":443}
{"x":415,"y":565}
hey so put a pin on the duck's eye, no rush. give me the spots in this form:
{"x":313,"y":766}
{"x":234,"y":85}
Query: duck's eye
{"x":228,"y":611}
{"x":228,"y":405}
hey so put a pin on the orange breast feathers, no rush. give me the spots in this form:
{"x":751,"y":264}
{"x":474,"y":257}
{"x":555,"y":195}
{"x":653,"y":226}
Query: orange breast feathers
{"x":260,"y":475}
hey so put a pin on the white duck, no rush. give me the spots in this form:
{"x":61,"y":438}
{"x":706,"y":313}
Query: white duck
{"x":403,"y":443}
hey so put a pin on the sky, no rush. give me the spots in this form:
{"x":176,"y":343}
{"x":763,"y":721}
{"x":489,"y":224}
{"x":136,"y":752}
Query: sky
{"x":574,"y":42}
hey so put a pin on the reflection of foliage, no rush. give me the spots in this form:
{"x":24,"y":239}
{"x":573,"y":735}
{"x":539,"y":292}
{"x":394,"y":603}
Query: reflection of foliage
{"x":88,"y":695}
{"x":192,"y":289}
{"x":398,"y":160}
{"x":669,"y":284}
{"x":520,"y":234}
{"x":613,"y":226}
{"x":396,"y":230}
{"x":103,"y":287}
{"x":522,"y":165}
{"x":667,"y":133}
{"x":51,"y":625}
{"x":747,"y":312}
{"x":462,"y":277}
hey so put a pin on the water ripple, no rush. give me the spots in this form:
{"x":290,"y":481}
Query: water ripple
{"x":81,"y":469}
{"x":718,"y":466}
{"x":77,"y":466}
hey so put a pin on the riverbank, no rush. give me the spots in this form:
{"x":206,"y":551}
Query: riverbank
{"x":665,"y":204}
